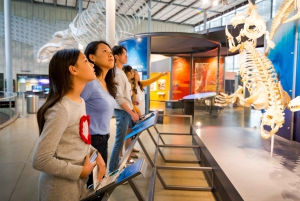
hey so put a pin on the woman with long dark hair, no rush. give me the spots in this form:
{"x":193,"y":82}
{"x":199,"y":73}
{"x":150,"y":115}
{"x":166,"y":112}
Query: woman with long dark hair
{"x":99,"y":95}
{"x":63,"y":149}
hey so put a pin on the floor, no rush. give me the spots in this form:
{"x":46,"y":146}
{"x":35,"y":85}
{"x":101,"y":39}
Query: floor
{"x":18,"y":180}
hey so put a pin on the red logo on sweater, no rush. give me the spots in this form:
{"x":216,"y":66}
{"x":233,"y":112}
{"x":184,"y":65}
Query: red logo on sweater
{"x":84,"y":130}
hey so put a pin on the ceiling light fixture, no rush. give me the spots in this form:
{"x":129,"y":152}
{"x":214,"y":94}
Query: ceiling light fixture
{"x":216,"y":2}
{"x":205,"y":1}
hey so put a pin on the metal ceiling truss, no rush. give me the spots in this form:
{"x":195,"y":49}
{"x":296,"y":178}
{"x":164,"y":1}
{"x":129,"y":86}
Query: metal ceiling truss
{"x":207,"y":9}
{"x":184,"y":7}
{"x":165,"y":6}
{"x":189,"y":6}
{"x":227,"y":11}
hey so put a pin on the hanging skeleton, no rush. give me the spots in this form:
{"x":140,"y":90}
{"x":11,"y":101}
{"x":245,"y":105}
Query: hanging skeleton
{"x":90,"y":25}
{"x":258,"y":72}
{"x":285,"y":9}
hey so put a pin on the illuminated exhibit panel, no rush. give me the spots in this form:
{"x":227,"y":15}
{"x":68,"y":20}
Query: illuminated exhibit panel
{"x":34,"y":83}
{"x":159,"y":90}
{"x":180,"y":77}
{"x":205,"y":74}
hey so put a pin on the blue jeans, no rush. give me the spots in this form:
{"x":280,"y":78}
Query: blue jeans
{"x":122,"y":123}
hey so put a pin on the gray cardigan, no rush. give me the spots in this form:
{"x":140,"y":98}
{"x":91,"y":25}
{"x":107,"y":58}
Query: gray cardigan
{"x":60,"y":152}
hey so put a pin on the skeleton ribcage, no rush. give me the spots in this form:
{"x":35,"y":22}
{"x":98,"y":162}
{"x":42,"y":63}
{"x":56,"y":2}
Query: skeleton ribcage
{"x":256,"y":67}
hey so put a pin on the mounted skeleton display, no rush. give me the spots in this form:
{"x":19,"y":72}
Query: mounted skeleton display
{"x":257,"y":71}
{"x":90,"y":25}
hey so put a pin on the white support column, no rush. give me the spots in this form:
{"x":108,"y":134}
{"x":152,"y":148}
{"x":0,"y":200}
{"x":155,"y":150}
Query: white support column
{"x":79,"y":6}
{"x":149,"y":16}
{"x":7,"y":36}
{"x":205,"y":20}
{"x":110,"y":22}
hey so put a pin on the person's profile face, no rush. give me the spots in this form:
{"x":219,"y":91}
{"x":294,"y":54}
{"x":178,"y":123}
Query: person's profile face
{"x":130,"y":74}
{"x":123,"y":57}
{"x":103,"y":56}
{"x":136,"y":76}
{"x":84,"y":69}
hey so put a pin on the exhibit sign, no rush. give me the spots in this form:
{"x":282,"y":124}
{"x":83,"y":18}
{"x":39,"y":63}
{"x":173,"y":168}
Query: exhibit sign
{"x":137,"y":54}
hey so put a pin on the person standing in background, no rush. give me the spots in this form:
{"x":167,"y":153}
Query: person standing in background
{"x":99,"y":96}
{"x":138,"y":89}
{"x":123,"y":111}
{"x":129,"y":71}
{"x":63,"y":148}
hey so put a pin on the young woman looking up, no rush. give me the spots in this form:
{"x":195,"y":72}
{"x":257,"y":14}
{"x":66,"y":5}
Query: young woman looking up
{"x":99,"y":95}
{"x":129,"y":72}
{"x":63,"y":149}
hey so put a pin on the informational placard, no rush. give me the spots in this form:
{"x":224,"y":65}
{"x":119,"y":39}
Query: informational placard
{"x":22,"y":87}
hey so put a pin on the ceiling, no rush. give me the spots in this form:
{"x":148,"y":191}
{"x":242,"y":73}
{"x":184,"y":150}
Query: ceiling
{"x":185,"y":12}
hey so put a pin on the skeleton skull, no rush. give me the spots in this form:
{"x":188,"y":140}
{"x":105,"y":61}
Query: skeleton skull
{"x":294,"y":104}
{"x":273,"y":117}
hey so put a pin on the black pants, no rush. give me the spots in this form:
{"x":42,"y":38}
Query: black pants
{"x":99,"y":142}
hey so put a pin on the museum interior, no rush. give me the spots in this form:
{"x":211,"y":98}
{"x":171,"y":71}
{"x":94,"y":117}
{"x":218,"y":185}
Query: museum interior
{"x":222,"y":124}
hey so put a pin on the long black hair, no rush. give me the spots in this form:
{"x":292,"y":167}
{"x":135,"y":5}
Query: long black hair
{"x":139,"y":82}
{"x":109,"y":78}
{"x":126,"y":70}
{"x":60,"y":80}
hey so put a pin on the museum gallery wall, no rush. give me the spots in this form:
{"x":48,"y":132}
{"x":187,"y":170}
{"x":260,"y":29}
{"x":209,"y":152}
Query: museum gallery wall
{"x":205,"y":74}
{"x":180,"y":77}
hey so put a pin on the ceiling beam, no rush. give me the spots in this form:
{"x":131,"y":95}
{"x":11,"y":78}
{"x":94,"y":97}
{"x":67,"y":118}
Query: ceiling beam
{"x":189,"y":6}
{"x":168,"y":4}
{"x":180,"y":5}
{"x":144,"y":4}
{"x":219,"y":13}
{"x":160,"y":20}
{"x":121,"y":4}
{"x":131,"y":6}
{"x":55,"y":2}
{"x":227,"y":11}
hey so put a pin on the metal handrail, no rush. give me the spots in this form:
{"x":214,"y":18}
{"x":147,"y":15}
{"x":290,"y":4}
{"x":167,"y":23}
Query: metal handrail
{"x":10,"y":96}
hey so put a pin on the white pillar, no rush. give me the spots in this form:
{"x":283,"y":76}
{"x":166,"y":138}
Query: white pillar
{"x":110,"y":22}
{"x":79,"y":6}
{"x":149,"y":16}
{"x":8,"y":67}
{"x":205,"y":20}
